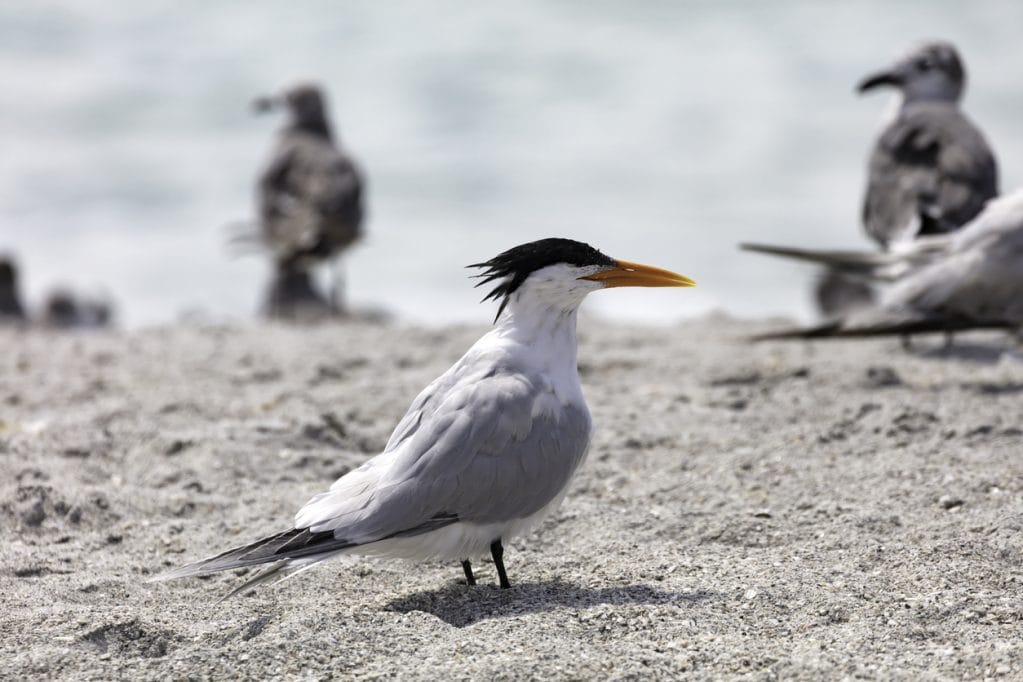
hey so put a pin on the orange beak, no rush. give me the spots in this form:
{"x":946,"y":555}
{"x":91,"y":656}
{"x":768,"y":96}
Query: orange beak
{"x":626,"y":274}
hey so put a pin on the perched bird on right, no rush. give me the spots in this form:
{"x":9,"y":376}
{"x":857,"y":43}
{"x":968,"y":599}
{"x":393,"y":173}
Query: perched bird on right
{"x":310,"y":203}
{"x":931,"y":170}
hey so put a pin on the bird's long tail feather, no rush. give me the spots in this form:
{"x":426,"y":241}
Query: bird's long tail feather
{"x":292,"y":551}
{"x":289,"y":545}
{"x":849,"y":261}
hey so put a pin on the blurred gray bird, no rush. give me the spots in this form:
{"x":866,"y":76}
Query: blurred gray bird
{"x":486,"y":451}
{"x":11,"y":308}
{"x":930,"y":172}
{"x":309,"y":195}
{"x":968,"y":279}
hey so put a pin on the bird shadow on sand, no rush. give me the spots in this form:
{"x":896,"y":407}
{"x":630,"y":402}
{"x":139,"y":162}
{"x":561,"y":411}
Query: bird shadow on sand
{"x":460,"y":605}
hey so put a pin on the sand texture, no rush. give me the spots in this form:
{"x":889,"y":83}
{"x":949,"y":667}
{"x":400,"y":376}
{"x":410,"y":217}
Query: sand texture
{"x":792,"y":511}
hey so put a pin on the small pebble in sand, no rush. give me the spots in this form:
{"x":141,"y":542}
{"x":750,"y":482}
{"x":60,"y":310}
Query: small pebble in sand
{"x":950,"y":502}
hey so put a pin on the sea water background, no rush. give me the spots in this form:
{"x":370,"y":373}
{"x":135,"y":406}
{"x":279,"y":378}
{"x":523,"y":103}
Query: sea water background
{"x":661,"y":132}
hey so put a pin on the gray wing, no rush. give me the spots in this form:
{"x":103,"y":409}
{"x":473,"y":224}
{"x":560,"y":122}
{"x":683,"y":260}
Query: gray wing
{"x":491,"y":448}
{"x":931,"y":172}
{"x":424,"y":405}
{"x":979,"y":281}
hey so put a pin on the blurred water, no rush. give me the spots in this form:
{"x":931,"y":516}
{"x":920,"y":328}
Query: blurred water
{"x":662,"y":132}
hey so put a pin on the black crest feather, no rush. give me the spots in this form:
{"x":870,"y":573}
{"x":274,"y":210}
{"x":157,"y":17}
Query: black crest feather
{"x":512,"y":267}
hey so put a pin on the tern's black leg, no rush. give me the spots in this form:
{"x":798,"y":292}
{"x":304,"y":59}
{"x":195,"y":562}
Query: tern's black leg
{"x":497,"y":551}
{"x":950,"y":340}
{"x":907,"y":342}
{"x":470,"y":579}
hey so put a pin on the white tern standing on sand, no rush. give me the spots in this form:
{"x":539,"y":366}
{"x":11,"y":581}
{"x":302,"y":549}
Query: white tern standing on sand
{"x":486,"y":451}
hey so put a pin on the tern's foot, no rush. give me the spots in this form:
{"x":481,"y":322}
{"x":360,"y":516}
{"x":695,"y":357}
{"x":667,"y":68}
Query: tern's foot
{"x":497,"y":552}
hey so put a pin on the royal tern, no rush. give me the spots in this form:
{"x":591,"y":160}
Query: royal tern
{"x":969,"y":279}
{"x":486,"y":451}
{"x":309,"y":195}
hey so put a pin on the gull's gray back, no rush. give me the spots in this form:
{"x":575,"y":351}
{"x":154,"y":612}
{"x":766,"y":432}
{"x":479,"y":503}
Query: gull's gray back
{"x":931,"y":171}
{"x":310,"y":190}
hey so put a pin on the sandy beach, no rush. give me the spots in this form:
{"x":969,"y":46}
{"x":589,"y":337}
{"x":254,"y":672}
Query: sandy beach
{"x":775,"y":511}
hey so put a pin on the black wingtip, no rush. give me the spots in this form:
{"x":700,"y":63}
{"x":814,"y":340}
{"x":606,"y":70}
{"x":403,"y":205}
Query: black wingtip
{"x":296,"y":543}
{"x":291,"y":544}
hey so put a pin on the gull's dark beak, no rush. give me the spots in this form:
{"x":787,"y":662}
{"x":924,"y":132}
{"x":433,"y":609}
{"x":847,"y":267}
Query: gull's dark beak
{"x":891,"y":77}
{"x":626,"y":274}
{"x":261,"y":105}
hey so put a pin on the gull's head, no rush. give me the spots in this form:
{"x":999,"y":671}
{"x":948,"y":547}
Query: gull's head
{"x":933,"y":71}
{"x":558,"y":273}
{"x":304,"y":102}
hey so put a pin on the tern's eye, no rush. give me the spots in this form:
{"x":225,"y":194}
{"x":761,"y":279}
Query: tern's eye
{"x":924,"y":64}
